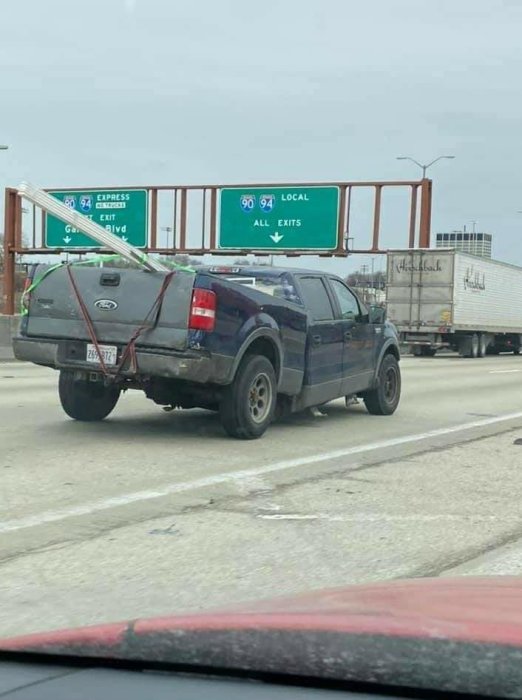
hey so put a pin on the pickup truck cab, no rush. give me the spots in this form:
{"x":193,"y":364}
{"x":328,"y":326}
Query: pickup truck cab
{"x":248,"y":342}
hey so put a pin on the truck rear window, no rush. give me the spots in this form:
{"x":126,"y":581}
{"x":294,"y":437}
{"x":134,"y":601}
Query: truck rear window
{"x":280,"y":286}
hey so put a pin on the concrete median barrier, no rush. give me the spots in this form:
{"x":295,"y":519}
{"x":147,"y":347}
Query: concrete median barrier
{"x":8,"y":327}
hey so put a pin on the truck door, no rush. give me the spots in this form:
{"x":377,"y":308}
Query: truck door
{"x":358,"y":339}
{"x":324,"y":344}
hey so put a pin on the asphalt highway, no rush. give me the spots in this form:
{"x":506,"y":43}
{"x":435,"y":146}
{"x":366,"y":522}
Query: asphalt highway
{"x":150,"y":512}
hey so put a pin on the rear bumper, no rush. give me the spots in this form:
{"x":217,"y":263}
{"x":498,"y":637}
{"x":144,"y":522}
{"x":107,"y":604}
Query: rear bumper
{"x":192,"y":366}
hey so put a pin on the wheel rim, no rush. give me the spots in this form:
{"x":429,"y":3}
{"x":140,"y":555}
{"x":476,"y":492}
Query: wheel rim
{"x":390,"y":384}
{"x":260,"y":397}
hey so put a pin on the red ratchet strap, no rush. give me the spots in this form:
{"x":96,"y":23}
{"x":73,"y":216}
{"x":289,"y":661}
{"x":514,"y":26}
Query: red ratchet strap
{"x":88,"y":320}
{"x":130,"y":348}
{"x":155,"y":309}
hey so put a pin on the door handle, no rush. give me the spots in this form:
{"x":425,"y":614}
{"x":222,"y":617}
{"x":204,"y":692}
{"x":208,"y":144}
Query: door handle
{"x":317,"y":340}
{"x":348,"y":335}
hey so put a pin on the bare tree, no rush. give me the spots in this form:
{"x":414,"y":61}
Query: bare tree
{"x":360,"y":278}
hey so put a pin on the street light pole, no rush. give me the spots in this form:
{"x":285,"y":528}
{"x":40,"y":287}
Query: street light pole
{"x":425,"y":166}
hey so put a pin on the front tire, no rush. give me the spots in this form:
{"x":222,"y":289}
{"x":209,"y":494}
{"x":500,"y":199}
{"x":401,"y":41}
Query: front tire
{"x":384,"y":399}
{"x":248,"y":404}
{"x":86,"y":401}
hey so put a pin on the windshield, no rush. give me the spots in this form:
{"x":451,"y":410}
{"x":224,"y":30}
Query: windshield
{"x":260,"y":310}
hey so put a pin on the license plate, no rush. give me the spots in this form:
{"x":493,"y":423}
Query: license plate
{"x":109,"y":354}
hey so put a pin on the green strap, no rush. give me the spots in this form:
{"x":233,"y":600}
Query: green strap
{"x":144,"y":258}
{"x":177,"y":266}
{"x":34,"y":285}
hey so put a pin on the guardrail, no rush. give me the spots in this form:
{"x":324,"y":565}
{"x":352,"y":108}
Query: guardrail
{"x":192,"y":213}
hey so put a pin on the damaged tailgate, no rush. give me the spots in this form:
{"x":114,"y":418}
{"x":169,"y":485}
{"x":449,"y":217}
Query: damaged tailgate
{"x":117,"y":301}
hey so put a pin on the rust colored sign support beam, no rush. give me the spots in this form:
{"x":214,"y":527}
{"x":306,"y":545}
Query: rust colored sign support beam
{"x":183,"y":220}
{"x":174,"y":221}
{"x":43,"y":223}
{"x":413,"y":216}
{"x":34,"y":225}
{"x":425,"y":214}
{"x":153,"y":218}
{"x":377,"y":217}
{"x":204,"y":216}
{"x":18,"y":224}
{"x":347,"y":218}
{"x":342,"y":221}
{"x":188,"y":208}
{"x":213,"y":216}
{"x":12,"y":203}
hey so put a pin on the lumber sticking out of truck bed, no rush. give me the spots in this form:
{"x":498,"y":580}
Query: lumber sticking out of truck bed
{"x":107,"y":239}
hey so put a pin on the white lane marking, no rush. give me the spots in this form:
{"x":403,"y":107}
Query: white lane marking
{"x":503,"y":371}
{"x":52,"y":516}
{"x":299,"y":516}
{"x":389,"y":517}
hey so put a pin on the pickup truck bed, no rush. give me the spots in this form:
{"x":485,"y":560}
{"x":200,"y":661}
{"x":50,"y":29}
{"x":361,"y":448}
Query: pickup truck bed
{"x":244,"y":341}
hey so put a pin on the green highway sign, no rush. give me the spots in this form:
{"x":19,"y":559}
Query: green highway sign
{"x":285,"y":218}
{"x":122,"y":212}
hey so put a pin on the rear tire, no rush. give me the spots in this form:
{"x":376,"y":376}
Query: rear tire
{"x":86,"y":401}
{"x":384,"y":399}
{"x":428,"y":351}
{"x":248,"y":404}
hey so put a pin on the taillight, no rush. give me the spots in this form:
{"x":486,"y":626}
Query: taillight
{"x":202,"y":310}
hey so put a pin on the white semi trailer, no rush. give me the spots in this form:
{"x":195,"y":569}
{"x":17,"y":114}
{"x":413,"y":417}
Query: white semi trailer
{"x":442,"y":298}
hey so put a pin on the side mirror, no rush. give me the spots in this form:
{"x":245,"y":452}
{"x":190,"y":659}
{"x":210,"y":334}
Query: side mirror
{"x":377,"y":314}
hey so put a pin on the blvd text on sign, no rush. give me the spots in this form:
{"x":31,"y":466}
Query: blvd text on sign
{"x":122,"y":212}
{"x":286,"y":218}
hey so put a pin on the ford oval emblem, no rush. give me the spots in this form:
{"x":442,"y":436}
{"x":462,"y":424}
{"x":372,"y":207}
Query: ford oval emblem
{"x":106,"y":304}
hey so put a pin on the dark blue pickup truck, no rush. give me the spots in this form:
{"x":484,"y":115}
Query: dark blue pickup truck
{"x":249,"y":342}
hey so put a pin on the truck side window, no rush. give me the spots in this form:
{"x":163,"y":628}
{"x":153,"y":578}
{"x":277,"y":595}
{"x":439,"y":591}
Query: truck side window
{"x":347,"y":301}
{"x":316,"y":298}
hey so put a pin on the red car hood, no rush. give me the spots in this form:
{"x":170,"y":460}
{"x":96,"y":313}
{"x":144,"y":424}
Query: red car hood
{"x":367,"y":633}
{"x":485,"y":609}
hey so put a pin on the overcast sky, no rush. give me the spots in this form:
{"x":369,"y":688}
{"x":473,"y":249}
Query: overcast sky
{"x":163,"y":91}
